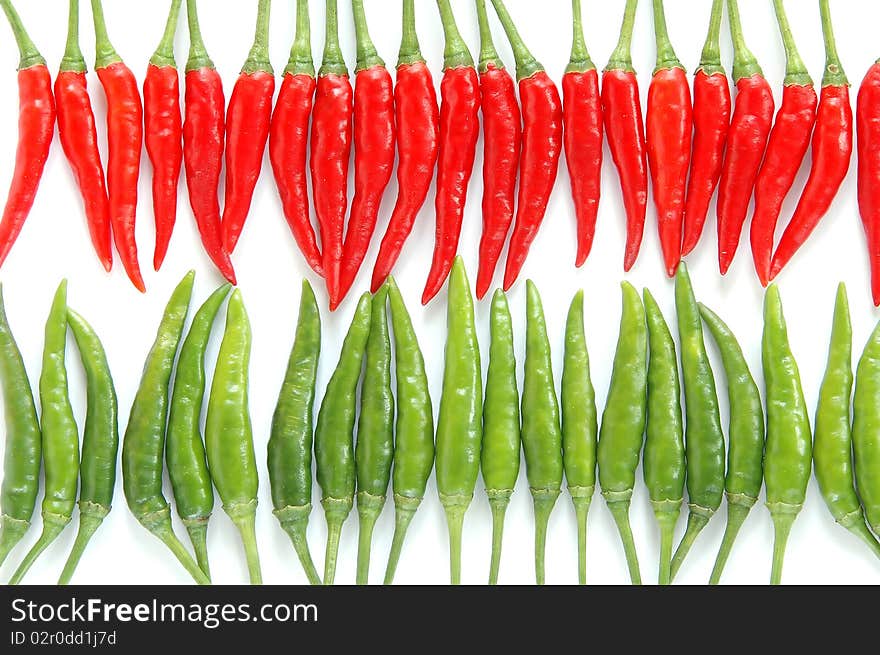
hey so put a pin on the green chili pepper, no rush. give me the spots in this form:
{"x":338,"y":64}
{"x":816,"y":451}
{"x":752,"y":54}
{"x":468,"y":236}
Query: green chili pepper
{"x":704,"y":436}
{"x":334,"y":449}
{"x":143,"y":443}
{"x":290,"y":443}
{"x":229,"y":437}
{"x":745,"y":454}
{"x":414,"y":438}
{"x":623,"y":422}
{"x":664,"y":444}
{"x":100,"y":440}
{"x":541,"y":430}
{"x":185,"y":449}
{"x":374,"y":452}
{"x":579,"y":425}
{"x":21,"y":461}
{"x":60,"y":437}
{"x":500,"y":455}
{"x":460,"y":425}
{"x":788,"y":460}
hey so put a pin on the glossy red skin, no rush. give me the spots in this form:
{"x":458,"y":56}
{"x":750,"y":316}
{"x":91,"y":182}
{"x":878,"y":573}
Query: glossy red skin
{"x":79,"y":139}
{"x":459,"y":132}
{"x":583,"y":136}
{"x":832,"y":154}
{"x":163,"y":134}
{"x":418,"y":143}
{"x":125,"y":137}
{"x":288,"y":152}
{"x":868,"y":121}
{"x":786,"y":149}
{"x":374,"y":139}
{"x":712,"y":107}
{"x":36,"y":125}
{"x":746,"y":143}
{"x":625,"y":130}
{"x":669,"y":130}
{"x":331,"y":151}
{"x":502,"y":137}
{"x":539,"y":166}
{"x":247,"y":131}
{"x":203,"y":137}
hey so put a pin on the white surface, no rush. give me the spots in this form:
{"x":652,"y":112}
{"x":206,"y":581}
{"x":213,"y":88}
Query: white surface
{"x":55,"y":244}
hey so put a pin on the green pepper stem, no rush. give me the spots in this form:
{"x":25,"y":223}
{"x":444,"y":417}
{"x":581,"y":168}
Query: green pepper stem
{"x":782,"y":522}
{"x":621,"y":58}
{"x":301,"y":61}
{"x":455,"y":508}
{"x":369,"y":508}
{"x":488,"y":55}
{"x":246,"y":525}
{"x":859,"y":529}
{"x":834,"y":73}
{"x":198,"y":54}
{"x":620,"y":511}
{"x":581,"y":511}
{"x":258,"y":58}
{"x":498,"y":505}
{"x":28,"y":52}
{"x":526,"y":64}
{"x":580,"y":61}
{"x":666,"y":521}
{"x":335,"y":512}
{"x":455,"y":53}
{"x":744,"y":62}
{"x":410,"y":50}
{"x":51,"y":530}
{"x":736,"y":516}
{"x":198,"y":536}
{"x":710,"y":60}
{"x":164,"y":55}
{"x":333,"y":62}
{"x":88,"y":524}
{"x":695,"y":524}
{"x":666,"y":57}
{"x":367,"y":55}
{"x":544,"y":501}
{"x":165,"y":534}
{"x":12,"y":531}
{"x":105,"y":53}
{"x":294,"y":523}
{"x":404,"y":510}
{"x":795,"y":70}
{"x":73,"y":60}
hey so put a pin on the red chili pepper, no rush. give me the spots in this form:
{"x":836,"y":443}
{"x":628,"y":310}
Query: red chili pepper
{"x":502,"y":134}
{"x":786,"y":149}
{"x":125,"y":138}
{"x":203,"y":136}
{"x":583,"y":136}
{"x":868,"y":120}
{"x":418,"y":142}
{"x":163,"y":131}
{"x":36,"y":125}
{"x":712,"y":106}
{"x":669,"y":129}
{"x":622,"y":111}
{"x":374,"y":137}
{"x":459,"y":132}
{"x":247,"y":130}
{"x":331,"y":151}
{"x":541,"y":147}
{"x":79,"y":139}
{"x":832,"y":152}
{"x":746,"y":143}
{"x":289,"y":138}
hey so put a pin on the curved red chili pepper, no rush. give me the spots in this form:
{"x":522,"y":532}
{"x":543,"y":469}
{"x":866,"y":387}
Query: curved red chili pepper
{"x":502,"y":132}
{"x":622,"y":112}
{"x":712,"y":107}
{"x":203,"y":137}
{"x":541,"y":147}
{"x":418,"y":140}
{"x":247,"y":131}
{"x":868,"y":120}
{"x":832,"y":153}
{"x":36,"y":125}
{"x":746,"y":143}
{"x":459,"y":132}
{"x":786,"y":150}
{"x":669,"y":130}
{"x":289,"y":139}
{"x":163,"y":133}
{"x":331,"y":151}
{"x":374,"y":138}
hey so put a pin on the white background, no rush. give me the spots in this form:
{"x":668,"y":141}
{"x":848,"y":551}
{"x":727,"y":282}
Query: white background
{"x":55,"y":244}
